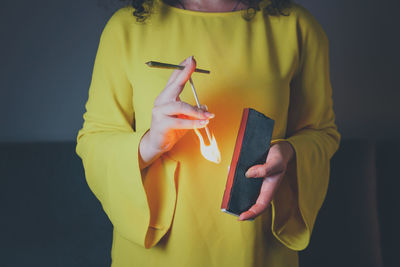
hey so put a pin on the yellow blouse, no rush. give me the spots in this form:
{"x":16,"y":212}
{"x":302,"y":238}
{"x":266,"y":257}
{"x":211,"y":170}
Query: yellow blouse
{"x":168,"y":214}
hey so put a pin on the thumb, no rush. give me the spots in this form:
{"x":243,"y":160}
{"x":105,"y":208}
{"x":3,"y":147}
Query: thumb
{"x":257,"y":171}
{"x":179,"y":78}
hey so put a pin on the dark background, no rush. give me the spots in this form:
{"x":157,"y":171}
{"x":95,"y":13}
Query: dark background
{"x":47,"y":51}
{"x":48,"y":47}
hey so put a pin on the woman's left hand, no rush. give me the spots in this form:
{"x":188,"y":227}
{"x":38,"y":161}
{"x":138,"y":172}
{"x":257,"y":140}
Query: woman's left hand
{"x":273,"y":170}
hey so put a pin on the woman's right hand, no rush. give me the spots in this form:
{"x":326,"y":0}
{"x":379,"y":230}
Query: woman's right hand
{"x":171,"y":117}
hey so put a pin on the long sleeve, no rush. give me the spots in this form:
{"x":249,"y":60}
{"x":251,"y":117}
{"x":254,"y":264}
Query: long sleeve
{"x":312,"y":132}
{"x":139,"y":203}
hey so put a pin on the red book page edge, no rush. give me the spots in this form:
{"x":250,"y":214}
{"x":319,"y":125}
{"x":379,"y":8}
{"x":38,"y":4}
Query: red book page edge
{"x":235,"y":158}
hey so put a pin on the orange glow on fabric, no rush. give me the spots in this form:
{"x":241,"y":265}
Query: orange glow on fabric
{"x":210,"y":151}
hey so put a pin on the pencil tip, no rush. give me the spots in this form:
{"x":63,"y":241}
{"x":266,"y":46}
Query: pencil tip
{"x":148,"y":63}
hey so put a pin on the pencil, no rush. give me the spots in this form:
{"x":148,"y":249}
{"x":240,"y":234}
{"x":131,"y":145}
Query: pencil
{"x":156,"y":64}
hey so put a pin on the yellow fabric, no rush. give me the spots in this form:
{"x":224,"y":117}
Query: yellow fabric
{"x":169,"y":213}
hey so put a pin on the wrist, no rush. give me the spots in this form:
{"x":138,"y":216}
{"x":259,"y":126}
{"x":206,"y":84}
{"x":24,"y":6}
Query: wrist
{"x":290,"y":152}
{"x":148,"y":152}
{"x":287,"y":150}
{"x":155,"y":143}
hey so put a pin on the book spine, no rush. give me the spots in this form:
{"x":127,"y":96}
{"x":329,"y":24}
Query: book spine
{"x":235,"y":158}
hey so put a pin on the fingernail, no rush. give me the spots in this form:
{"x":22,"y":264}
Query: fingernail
{"x":249,"y":174}
{"x":210,"y":115}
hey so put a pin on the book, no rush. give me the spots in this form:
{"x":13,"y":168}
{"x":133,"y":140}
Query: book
{"x":251,"y":148}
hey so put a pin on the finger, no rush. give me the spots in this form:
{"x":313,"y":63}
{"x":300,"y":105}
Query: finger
{"x":257,"y":171}
{"x":182,"y":108}
{"x":264,"y":170}
{"x":268,"y":188}
{"x":264,"y":199}
{"x":178,"y":81}
{"x":253,"y":212}
{"x":204,"y":107}
{"x":184,"y":75}
{"x":176,"y":72}
{"x":270,"y":168}
{"x":176,"y":123}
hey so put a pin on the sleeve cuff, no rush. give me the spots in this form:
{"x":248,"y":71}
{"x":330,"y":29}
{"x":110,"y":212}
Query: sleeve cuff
{"x":299,"y":196}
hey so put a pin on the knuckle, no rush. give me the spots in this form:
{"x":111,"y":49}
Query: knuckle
{"x":180,"y":123}
{"x":197,"y":109}
{"x":181,"y":105}
{"x":158,"y":100}
{"x":175,"y":123}
{"x":155,"y":111}
{"x":177,"y":83}
{"x":192,"y":109}
{"x":187,"y":108}
{"x":261,"y":171}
